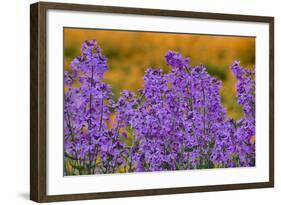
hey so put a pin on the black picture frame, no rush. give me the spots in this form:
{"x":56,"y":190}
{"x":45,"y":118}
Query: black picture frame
{"x":38,"y":102}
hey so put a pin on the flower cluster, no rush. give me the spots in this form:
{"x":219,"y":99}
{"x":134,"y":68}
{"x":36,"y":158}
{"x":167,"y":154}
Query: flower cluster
{"x":176,"y":122}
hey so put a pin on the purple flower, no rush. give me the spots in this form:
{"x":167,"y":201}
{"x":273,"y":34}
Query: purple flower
{"x":176,"y":122}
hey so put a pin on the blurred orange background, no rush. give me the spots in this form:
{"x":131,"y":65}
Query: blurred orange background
{"x":129,"y":53}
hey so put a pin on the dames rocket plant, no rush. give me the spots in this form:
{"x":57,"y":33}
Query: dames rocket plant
{"x":175,"y":122}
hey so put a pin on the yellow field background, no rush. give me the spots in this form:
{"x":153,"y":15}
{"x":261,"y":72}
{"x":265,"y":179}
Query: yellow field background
{"x":130,"y":53}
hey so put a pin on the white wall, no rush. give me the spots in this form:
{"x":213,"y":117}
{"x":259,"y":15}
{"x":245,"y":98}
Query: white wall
{"x":14,"y":101}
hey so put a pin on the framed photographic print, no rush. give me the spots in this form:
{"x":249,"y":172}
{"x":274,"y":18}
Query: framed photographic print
{"x":134,"y":102}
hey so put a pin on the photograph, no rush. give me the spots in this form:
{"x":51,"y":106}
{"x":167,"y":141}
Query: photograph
{"x":144,"y":101}
{"x":130,"y":101}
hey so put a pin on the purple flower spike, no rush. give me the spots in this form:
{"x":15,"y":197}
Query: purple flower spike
{"x":175,"y":122}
